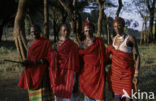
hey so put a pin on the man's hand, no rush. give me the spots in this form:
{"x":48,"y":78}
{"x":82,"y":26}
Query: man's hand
{"x":27,"y":63}
{"x":54,"y":47}
{"x":135,"y":80}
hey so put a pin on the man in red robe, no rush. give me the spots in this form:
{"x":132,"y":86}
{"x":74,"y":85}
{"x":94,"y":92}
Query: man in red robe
{"x":34,"y":77}
{"x":122,"y":74}
{"x":64,"y":67}
{"x":92,"y":75}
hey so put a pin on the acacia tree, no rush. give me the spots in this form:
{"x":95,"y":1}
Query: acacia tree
{"x":143,"y":11}
{"x":1,"y":30}
{"x":72,"y":9}
{"x":108,"y":33}
{"x":46,"y":19}
{"x":56,"y":18}
{"x":19,"y":32}
{"x":109,"y":20}
{"x":119,"y":8}
{"x":101,"y":6}
{"x":155,"y":29}
{"x":101,"y":12}
{"x":151,"y":6}
{"x":147,"y":7}
{"x":143,"y":34}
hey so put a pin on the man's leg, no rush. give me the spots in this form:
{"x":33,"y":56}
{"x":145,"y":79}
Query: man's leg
{"x":86,"y":98}
{"x":46,"y":91}
{"x":126,"y":99}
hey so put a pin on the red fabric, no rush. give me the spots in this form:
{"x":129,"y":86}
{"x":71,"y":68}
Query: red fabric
{"x":122,"y":69}
{"x":32,"y":76}
{"x":63,"y":63}
{"x":92,"y":77}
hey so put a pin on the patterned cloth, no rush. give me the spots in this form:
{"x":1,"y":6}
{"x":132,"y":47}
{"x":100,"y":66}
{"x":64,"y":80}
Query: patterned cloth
{"x":32,"y":76}
{"x":63,"y":63}
{"x":73,"y":98}
{"x":92,"y":76}
{"x":43,"y":93}
{"x":121,"y":73}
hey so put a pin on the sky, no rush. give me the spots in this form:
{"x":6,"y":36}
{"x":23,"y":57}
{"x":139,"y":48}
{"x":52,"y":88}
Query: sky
{"x":132,"y":15}
{"x":128,"y":13}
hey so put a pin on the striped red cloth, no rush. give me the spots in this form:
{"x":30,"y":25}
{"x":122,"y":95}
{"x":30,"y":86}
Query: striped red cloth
{"x":63,"y":63}
{"x":92,"y":76}
{"x":121,"y":73}
{"x":31,"y":77}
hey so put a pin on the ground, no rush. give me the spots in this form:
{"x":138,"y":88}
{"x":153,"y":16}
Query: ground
{"x":10,"y":73}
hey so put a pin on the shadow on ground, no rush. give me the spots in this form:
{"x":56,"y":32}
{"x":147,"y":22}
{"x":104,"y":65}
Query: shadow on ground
{"x":10,"y":92}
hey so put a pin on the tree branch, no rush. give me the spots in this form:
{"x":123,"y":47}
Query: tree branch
{"x":119,"y":8}
{"x":148,"y":5}
{"x":65,"y":7}
{"x":153,"y":4}
{"x":74,"y":2}
{"x":101,"y":11}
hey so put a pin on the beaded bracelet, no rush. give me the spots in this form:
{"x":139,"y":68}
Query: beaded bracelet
{"x":136,"y":74}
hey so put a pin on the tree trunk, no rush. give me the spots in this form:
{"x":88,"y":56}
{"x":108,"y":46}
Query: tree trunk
{"x":1,"y":29}
{"x":19,"y":33}
{"x":155,"y":30}
{"x":64,"y":17}
{"x":46,"y":19}
{"x":78,"y":28}
{"x":143,"y":29}
{"x":107,"y":27}
{"x":119,"y":8}
{"x":150,"y":30}
{"x":101,"y":10}
{"x":108,"y":34}
{"x":73,"y":25}
{"x":75,"y":18}
{"x":145,"y":33}
{"x":55,"y":29}
{"x":30,"y":19}
{"x":1,"y":32}
{"x":151,"y":10}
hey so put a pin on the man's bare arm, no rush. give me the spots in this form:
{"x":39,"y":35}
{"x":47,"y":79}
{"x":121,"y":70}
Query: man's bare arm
{"x":136,"y":54}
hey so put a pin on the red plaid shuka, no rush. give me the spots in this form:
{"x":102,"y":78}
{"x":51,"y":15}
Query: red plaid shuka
{"x":121,"y":72}
{"x":32,"y":77}
{"x":92,"y":76}
{"x":63,"y":63}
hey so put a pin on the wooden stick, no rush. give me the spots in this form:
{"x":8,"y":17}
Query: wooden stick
{"x":12,"y":61}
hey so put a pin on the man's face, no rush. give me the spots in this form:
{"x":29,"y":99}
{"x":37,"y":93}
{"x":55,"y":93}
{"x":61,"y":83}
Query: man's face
{"x":64,"y":31}
{"x":118,"y":27}
{"x":88,"y":31}
{"x":34,"y":33}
